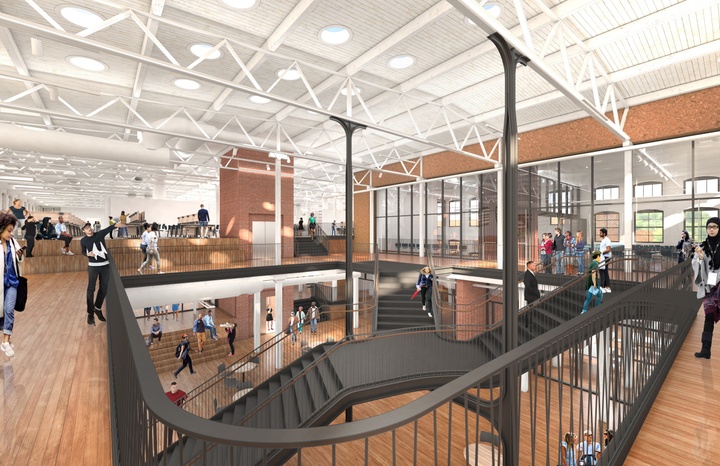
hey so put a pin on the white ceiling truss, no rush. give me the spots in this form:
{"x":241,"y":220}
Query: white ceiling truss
{"x":596,"y":57}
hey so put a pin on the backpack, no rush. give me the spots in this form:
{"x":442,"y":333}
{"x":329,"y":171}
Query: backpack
{"x":178,"y":350}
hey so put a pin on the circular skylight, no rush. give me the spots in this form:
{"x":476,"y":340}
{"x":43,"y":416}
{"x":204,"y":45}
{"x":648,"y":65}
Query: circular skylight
{"x":259,"y":99}
{"x":87,"y":63}
{"x":81,"y":17}
{"x":355,"y":91}
{"x":335,"y":35}
{"x":240,"y":4}
{"x":495,"y":10}
{"x":288,"y":75}
{"x":187,"y":84}
{"x":401,"y":62}
{"x":199,"y":50}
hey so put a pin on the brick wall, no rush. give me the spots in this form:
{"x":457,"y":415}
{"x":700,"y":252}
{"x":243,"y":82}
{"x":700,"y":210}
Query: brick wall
{"x":241,"y":307}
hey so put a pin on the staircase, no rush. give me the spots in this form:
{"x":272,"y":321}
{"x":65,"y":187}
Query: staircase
{"x":305,"y":246}
{"x":163,"y":353}
{"x":395,"y":308}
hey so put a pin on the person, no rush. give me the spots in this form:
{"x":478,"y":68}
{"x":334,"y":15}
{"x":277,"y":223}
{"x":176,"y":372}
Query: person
{"x":300,"y":318}
{"x":532,"y":292}
{"x":123,"y":231}
{"x":424,"y":284}
{"x":301,"y":228}
{"x":61,"y":230}
{"x":606,"y":254}
{"x":20,"y":213}
{"x":592,"y":290}
{"x":558,"y":248}
{"x":13,"y":256}
{"x":580,"y":252}
{"x":608,"y":436}
{"x":144,"y":238}
{"x":156,"y":331}
{"x":203,"y":221}
{"x":342,"y":228}
{"x":332,"y":228}
{"x":291,"y":327}
{"x":176,"y":395}
{"x":311,"y":225}
{"x":568,"y":449}
{"x":152,"y":249}
{"x":210,"y":325}
{"x":588,"y":450}
{"x":93,"y":247}
{"x":314,"y":313}
{"x":706,"y":266}
{"x":569,"y":244}
{"x":548,"y":247}
{"x":147,"y":310}
{"x":30,"y":228}
{"x":685,"y":246}
{"x":199,"y":331}
{"x":183,"y":354}
{"x":176,"y":311}
{"x":269,"y":320}
{"x":111,"y":221}
{"x":231,"y":331}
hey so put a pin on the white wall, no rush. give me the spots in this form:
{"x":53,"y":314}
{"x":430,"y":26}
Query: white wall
{"x":158,"y":210}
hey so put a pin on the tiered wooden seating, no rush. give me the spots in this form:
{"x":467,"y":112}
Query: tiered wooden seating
{"x":163,"y":354}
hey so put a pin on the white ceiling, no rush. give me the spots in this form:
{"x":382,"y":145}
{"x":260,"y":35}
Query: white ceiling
{"x":587,"y":57}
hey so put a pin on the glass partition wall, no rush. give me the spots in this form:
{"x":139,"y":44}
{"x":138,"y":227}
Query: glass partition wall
{"x":644,"y":198}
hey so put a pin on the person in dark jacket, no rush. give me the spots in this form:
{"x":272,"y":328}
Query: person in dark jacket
{"x":30,"y":228}
{"x":685,"y":246}
{"x":231,"y":338}
{"x":93,"y":247}
{"x":532,"y":292}
{"x":184,"y":355}
{"x":424,"y":284}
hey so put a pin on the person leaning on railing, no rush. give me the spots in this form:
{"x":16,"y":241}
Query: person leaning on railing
{"x":706,"y":265}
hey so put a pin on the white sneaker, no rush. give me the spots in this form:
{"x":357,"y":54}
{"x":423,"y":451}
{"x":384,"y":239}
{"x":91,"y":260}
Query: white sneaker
{"x":424,"y":309}
{"x":5,"y":346}
{"x":607,"y":290}
{"x":62,"y":250}
{"x":69,"y":253}
{"x":430,"y":314}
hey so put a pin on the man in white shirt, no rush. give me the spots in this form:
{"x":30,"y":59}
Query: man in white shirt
{"x":606,"y":254}
{"x":61,"y":230}
{"x":210,"y":325}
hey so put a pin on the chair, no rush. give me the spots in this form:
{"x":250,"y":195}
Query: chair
{"x":231,"y":382}
{"x":221,"y":368}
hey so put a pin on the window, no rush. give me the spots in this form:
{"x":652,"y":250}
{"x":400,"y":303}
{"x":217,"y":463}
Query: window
{"x":565,"y":199}
{"x":454,"y":213}
{"x":701,"y":217}
{"x":649,"y":189}
{"x":609,"y":221}
{"x":649,"y":226}
{"x":605,"y":193}
{"x":474,"y":212}
{"x":703,"y":185}
{"x":439,"y":214}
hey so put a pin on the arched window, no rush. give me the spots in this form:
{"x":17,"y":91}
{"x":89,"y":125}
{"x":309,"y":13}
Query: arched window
{"x":610,"y":221}
{"x":702,"y":215}
{"x":605,"y":193}
{"x":648,"y":189}
{"x":649,"y":226}
{"x":703,"y":185}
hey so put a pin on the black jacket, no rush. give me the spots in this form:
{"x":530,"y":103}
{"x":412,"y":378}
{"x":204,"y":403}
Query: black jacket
{"x":532,"y":293}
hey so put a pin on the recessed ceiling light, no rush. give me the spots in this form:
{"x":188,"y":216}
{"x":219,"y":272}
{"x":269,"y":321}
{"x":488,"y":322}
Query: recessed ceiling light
{"x":495,"y":10}
{"x":240,"y":4}
{"x":81,"y":17}
{"x":187,"y":84}
{"x":87,"y":63}
{"x":288,"y":75}
{"x":199,"y":50}
{"x":401,"y":62}
{"x":335,"y":35}
{"x":355,"y":91}
{"x":259,"y":99}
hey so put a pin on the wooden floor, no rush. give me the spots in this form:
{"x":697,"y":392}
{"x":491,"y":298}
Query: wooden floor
{"x":55,"y":409}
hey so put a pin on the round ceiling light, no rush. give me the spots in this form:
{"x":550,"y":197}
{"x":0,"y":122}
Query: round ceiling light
{"x":187,"y":84}
{"x":87,"y":63}
{"x":288,"y":75}
{"x":401,"y":62}
{"x":199,"y":50}
{"x":495,"y":10}
{"x":240,"y":4}
{"x":81,"y":17}
{"x":355,"y":91}
{"x":259,"y":99}
{"x":335,"y":35}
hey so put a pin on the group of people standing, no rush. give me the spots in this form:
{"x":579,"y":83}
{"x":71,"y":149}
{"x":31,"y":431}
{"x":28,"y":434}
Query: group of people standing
{"x":567,"y":250}
{"x":587,"y":452}
{"x":299,"y":317}
{"x":149,"y":247}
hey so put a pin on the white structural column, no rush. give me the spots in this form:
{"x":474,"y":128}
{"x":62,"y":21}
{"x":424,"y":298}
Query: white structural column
{"x":421,"y":218}
{"x":628,"y":220}
{"x":356,"y":298}
{"x":279,"y":322}
{"x":372,"y":221}
{"x":278,"y":211}
{"x":334,"y":290}
{"x":501,"y":223}
{"x":256,"y":319}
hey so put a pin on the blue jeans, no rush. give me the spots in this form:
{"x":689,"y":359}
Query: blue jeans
{"x":313,"y":325}
{"x":213,"y":331}
{"x":581,"y":263}
{"x":8,"y":318}
{"x":559,"y":268}
{"x":589,"y":298}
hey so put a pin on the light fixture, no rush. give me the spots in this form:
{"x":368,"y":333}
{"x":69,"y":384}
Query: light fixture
{"x":140,"y":136}
{"x":288,"y":75}
{"x":36,"y":47}
{"x":199,"y":50}
{"x":267,"y":166}
{"x":312,"y":113}
{"x":240,"y":4}
{"x":52,"y":93}
{"x":355,"y":91}
{"x":81,"y":17}
{"x":401,"y":62}
{"x":157,"y":7}
{"x":16,"y":178}
{"x":280,"y":156}
{"x":87,"y":63}
{"x":259,"y":99}
{"x":335,"y":35}
{"x":187,"y":84}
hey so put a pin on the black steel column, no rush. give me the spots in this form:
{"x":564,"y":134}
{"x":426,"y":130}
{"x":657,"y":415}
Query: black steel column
{"x":510,"y":402}
{"x":349,"y":128}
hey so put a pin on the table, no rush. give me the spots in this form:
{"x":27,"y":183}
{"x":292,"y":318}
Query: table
{"x":242,"y":367}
